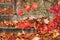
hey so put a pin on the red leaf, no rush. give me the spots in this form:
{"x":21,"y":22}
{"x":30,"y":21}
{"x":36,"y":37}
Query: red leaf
{"x":58,"y":13}
{"x":28,"y":24}
{"x":21,"y":25}
{"x":46,"y":29}
{"x":53,"y":24}
{"x":10,"y":38}
{"x":27,"y":8}
{"x":56,"y":7}
{"x":56,"y":10}
{"x":51,"y":10}
{"x":34,"y":6}
{"x":20,"y":12}
{"x":39,"y":26}
{"x":57,"y":19}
